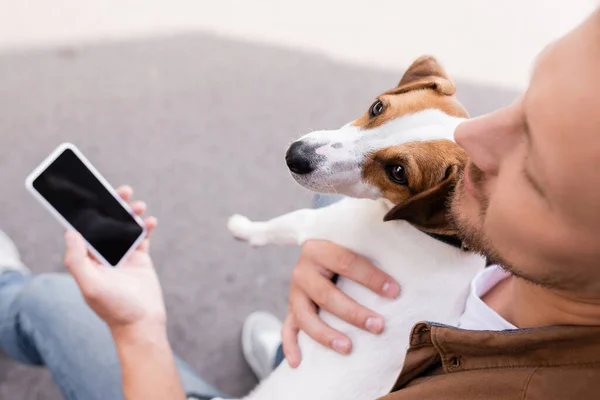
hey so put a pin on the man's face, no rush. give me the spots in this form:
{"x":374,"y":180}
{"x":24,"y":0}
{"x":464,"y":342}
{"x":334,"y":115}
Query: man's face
{"x":530,"y":197}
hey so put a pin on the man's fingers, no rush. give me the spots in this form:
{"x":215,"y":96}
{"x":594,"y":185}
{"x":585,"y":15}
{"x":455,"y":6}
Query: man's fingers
{"x":144,"y":246}
{"x":126,"y":192}
{"x":138,"y":207}
{"x":150,"y":224}
{"x":305,"y":314}
{"x":355,"y":267}
{"x":329,"y":298}
{"x":289,"y":338}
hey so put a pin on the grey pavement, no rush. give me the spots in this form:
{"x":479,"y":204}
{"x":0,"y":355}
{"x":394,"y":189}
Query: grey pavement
{"x":199,"y":126}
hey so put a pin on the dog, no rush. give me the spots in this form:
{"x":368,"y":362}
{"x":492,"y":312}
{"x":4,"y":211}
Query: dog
{"x":399,"y":165}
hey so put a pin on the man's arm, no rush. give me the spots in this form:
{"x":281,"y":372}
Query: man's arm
{"x":129,"y":299}
{"x":147,"y":364}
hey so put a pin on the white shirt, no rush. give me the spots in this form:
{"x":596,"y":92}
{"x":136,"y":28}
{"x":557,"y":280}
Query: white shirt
{"x":478,"y":316}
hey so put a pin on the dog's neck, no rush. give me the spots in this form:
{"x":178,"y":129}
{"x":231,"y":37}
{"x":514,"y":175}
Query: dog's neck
{"x":450,"y":239}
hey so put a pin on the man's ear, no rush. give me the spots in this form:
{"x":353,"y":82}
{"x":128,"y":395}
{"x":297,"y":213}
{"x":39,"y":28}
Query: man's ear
{"x":425,"y":73}
{"x":427,"y":210}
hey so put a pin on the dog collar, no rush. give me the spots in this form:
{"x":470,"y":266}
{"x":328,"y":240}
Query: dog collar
{"x":448,"y":239}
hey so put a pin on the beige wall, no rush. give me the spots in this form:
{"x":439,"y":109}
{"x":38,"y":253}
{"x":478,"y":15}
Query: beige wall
{"x":490,"y":41}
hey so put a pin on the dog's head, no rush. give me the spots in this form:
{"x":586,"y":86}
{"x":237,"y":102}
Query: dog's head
{"x":401,"y":149}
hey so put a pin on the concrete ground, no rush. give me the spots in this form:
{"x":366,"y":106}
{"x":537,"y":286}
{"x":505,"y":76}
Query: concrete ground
{"x":198,"y":123}
{"x":199,"y":126}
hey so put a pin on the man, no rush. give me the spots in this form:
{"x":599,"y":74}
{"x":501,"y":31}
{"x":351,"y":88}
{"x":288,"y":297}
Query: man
{"x":528,"y":201}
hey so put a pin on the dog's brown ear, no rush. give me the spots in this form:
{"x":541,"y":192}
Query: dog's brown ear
{"x":423,"y":67}
{"x":428,"y":210}
{"x":424,"y":73}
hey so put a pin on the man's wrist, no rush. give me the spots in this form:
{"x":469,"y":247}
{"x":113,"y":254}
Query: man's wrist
{"x":147,"y":362}
{"x":140,"y":333}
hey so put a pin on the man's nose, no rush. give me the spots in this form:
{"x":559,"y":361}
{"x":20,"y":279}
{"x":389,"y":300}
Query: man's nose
{"x":488,"y":139}
{"x":300,"y":158}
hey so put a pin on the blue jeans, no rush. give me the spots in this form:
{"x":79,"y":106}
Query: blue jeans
{"x":44,"y":321}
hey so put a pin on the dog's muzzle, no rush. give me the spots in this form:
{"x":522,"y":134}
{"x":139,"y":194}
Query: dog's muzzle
{"x":301,"y":158}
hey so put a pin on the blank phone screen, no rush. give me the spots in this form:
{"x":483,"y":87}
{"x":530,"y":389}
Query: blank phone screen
{"x":75,"y":192}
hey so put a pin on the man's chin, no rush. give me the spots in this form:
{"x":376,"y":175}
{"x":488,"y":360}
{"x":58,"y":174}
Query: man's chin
{"x":468,"y":217}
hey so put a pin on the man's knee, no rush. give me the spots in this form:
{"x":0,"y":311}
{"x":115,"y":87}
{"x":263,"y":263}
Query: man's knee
{"x":48,"y":296}
{"x":42,"y":310}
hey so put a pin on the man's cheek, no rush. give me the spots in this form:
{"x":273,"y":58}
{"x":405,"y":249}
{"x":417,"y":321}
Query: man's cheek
{"x":505,"y":231}
{"x":517,"y":226}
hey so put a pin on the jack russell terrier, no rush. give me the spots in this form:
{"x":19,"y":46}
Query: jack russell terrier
{"x":399,"y":164}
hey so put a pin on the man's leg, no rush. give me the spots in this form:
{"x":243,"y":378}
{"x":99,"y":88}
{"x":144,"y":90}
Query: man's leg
{"x":324,"y":200}
{"x":44,"y":321}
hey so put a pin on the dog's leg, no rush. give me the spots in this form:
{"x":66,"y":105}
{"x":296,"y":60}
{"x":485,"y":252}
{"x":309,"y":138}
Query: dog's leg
{"x":289,"y":228}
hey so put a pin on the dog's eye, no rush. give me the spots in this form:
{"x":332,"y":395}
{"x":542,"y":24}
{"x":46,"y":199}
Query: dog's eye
{"x":397,"y":174}
{"x":376,"y":109}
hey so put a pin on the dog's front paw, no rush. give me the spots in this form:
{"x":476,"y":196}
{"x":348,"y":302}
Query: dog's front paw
{"x":244,"y":229}
{"x":240,"y":227}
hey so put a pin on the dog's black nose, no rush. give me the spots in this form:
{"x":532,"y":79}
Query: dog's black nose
{"x":298,"y":158}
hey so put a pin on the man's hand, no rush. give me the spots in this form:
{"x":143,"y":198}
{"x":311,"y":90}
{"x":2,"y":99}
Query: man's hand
{"x":127,"y":296}
{"x":129,"y":299}
{"x":311,"y":287}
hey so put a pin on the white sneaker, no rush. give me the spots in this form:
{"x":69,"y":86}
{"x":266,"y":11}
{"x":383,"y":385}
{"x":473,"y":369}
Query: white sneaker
{"x":261,"y":337}
{"x":10,"y":260}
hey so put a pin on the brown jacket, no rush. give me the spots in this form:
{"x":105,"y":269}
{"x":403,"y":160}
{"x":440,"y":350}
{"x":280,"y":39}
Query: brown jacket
{"x":551,"y":363}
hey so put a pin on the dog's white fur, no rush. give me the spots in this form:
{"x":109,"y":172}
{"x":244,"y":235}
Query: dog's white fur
{"x":434,"y":276}
{"x":344,"y":150}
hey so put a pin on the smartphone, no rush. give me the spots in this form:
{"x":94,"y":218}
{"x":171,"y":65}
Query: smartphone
{"x":69,"y":186}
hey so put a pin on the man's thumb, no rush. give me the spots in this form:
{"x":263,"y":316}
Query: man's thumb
{"x":76,"y":257}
